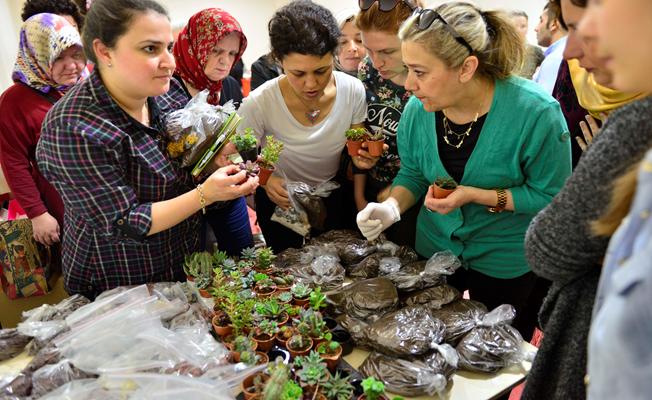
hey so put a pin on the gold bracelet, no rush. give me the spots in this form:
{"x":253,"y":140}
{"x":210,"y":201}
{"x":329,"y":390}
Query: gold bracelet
{"x":202,"y":200}
{"x":502,"y":201}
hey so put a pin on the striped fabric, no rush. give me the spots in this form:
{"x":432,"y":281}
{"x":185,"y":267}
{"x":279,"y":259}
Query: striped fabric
{"x":109,"y":169}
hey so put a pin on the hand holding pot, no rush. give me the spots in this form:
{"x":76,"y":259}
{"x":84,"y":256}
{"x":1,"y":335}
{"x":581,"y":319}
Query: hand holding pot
{"x":222,"y":158}
{"x":277,"y":192}
{"x":377,"y":217}
{"x":456,"y":199}
{"x":224,"y":184}
{"x":364,"y":160}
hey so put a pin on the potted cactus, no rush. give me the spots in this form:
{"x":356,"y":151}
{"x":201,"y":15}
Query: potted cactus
{"x":312,"y":324}
{"x":354,"y":139}
{"x":242,"y":344}
{"x":373,"y":389}
{"x":376,"y":142}
{"x":299,"y":345}
{"x":264,"y":259}
{"x":246,"y":144}
{"x":443,"y":186}
{"x":269,"y":156}
{"x":254,"y":384}
{"x":264,"y":334}
{"x":300,"y":293}
{"x":338,"y":387}
{"x":330,"y":351}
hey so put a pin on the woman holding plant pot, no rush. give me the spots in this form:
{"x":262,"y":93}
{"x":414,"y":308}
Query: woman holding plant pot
{"x":206,"y":50}
{"x":307,"y":109}
{"x":131,"y":212}
{"x":383,"y":75}
{"x":500,"y":137}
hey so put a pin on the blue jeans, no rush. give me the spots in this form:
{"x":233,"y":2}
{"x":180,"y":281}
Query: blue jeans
{"x":230,"y":224}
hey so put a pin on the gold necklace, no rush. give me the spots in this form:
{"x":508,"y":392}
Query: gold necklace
{"x":460,"y":136}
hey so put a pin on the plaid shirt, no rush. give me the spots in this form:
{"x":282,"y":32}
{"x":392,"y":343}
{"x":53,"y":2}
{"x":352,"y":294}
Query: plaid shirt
{"x":109,"y":169}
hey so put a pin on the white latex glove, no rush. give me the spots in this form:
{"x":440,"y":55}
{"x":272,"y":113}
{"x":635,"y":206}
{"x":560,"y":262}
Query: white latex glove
{"x":376,"y":217}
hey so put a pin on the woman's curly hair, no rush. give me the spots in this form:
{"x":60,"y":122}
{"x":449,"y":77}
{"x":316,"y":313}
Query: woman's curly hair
{"x":303,"y":27}
{"x":59,"y":7}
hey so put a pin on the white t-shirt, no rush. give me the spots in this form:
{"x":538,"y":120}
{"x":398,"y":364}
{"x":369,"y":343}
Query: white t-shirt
{"x":311,"y":154}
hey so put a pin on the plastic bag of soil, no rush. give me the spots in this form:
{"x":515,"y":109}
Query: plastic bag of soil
{"x":493,"y":344}
{"x":459,"y":317}
{"x":336,"y":236}
{"x":318,"y":266}
{"x":354,"y":326}
{"x":350,"y":246}
{"x":424,"y":274}
{"x":410,"y":331}
{"x":12,"y":343}
{"x":434,"y":297}
{"x":367,"y":300}
{"x":412,"y":377}
{"x":50,"y":377}
{"x":386,"y":252}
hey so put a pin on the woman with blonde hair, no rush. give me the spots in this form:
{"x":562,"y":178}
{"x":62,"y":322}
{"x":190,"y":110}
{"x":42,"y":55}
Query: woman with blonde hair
{"x":500,"y":137}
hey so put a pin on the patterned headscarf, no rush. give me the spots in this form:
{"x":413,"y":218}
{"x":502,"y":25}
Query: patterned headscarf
{"x":43,"y":37}
{"x":195,"y":43}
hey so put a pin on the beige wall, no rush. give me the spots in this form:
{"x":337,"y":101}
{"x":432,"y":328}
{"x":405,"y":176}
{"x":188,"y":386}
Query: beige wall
{"x":252,"y":14}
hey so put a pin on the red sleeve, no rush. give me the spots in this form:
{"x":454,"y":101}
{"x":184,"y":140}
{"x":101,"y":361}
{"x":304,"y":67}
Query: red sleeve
{"x":21,"y":114}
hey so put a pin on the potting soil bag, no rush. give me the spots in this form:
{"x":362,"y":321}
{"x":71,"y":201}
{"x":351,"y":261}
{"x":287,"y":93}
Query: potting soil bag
{"x":12,"y":343}
{"x":50,"y":377}
{"x":307,"y":207}
{"x":410,"y":331}
{"x":336,"y":236}
{"x":409,"y":377}
{"x":354,"y":326}
{"x":434,"y":297}
{"x":324,"y":271}
{"x":367,"y":300}
{"x":367,"y":268}
{"x":493,"y":344}
{"x":192,"y":130}
{"x":423,"y":274}
{"x":459,"y":317}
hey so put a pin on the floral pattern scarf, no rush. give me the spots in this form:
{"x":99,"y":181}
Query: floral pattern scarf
{"x":43,"y":37}
{"x":195,"y":43}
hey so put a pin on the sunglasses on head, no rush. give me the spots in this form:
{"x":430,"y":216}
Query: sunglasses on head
{"x":427,"y":16}
{"x":385,"y":5}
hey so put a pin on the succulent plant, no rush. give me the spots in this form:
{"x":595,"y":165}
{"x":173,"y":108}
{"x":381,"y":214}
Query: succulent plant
{"x":446,"y":182}
{"x":377,"y":135}
{"x":317,"y":299}
{"x":270,"y":153}
{"x":248,"y":253}
{"x":338,"y":387}
{"x":285,"y":297}
{"x":264,"y":257}
{"x":373,"y":388}
{"x":245,"y":141}
{"x":300,"y":291}
{"x":356,"y":134}
{"x":313,"y":369}
{"x":250,"y":167}
{"x":298,"y":342}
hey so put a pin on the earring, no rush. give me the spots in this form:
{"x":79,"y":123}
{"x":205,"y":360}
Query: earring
{"x":110,"y":65}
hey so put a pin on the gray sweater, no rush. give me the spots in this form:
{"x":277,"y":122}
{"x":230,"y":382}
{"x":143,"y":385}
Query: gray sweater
{"x":559,"y":247}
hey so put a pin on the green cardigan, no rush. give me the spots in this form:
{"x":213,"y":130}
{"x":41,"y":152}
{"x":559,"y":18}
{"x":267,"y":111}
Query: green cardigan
{"x":524,"y":146}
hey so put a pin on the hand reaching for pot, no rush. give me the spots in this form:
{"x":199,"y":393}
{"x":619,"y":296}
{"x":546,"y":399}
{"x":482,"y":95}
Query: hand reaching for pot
{"x":364,"y":160}
{"x":455,"y":200}
{"x":228,"y":183}
{"x":277,"y":192}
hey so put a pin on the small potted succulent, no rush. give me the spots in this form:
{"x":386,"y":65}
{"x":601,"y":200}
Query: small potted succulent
{"x":354,"y":139}
{"x":199,"y":268}
{"x":264,"y":334}
{"x":373,"y":389}
{"x":222,"y":324}
{"x":264,"y":286}
{"x":299,"y":345}
{"x":269,"y":156}
{"x":312,"y":324}
{"x":330,"y":351}
{"x":311,"y":371}
{"x":246,"y":144}
{"x":283,"y":283}
{"x":443,"y":186}
{"x":317,"y":299}
{"x":300,"y":293}
{"x":248,"y":254}
{"x":250,"y":167}
{"x":254,"y":384}
{"x":291,"y":391}
{"x":242,"y":344}
{"x":376,"y":142}
{"x":283,"y":297}
{"x":284,"y":334}
{"x":273,"y":310}
{"x":338,"y":387}
{"x":264,"y":259}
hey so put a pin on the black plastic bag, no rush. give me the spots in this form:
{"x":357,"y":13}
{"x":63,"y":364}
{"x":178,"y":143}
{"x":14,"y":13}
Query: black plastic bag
{"x":410,"y":331}
{"x":367,"y":300}
{"x":434,"y":297}
{"x":459,"y":317}
{"x":493,"y":344}
{"x":369,"y":267}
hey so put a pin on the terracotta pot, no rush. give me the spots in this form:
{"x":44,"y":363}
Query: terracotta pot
{"x":440,"y":193}
{"x":264,"y":344}
{"x":283,"y":288}
{"x":222,"y":331}
{"x":247,"y":385}
{"x":264,"y":295}
{"x":263,"y":358}
{"x":282,"y":319}
{"x":301,"y":302}
{"x":381,"y":397}
{"x":296,"y":353}
{"x":331,"y":360}
{"x":190,"y":278}
{"x":264,"y":175}
{"x":204,"y":293}
{"x":353,"y":146}
{"x":375,"y":147}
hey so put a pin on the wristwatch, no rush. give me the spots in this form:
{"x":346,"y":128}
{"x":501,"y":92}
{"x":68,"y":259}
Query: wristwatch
{"x":502,"y":201}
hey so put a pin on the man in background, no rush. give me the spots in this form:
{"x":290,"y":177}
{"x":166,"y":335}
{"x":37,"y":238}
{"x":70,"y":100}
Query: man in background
{"x":533,"y":54}
{"x":551,"y":34}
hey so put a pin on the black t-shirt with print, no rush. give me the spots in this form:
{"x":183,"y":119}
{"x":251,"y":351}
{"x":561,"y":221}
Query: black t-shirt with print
{"x":385,"y":103}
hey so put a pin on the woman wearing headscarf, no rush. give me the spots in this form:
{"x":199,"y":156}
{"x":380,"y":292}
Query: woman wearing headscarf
{"x":205,"y":52}
{"x":50,"y":61}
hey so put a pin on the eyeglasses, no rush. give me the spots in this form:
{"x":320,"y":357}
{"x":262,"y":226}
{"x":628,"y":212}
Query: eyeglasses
{"x":427,"y":16}
{"x":385,"y":5}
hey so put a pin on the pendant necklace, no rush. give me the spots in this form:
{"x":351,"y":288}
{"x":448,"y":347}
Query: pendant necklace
{"x":460,"y":136}
{"x":313,"y":113}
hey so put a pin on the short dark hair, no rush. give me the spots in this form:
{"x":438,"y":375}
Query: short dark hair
{"x":303,"y":27}
{"x":557,"y":3}
{"x":59,"y":7}
{"x":108,"y":20}
{"x":553,"y":10}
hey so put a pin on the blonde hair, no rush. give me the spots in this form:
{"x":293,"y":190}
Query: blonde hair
{"x":494,"y":40}
{"x":622,"y":196}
